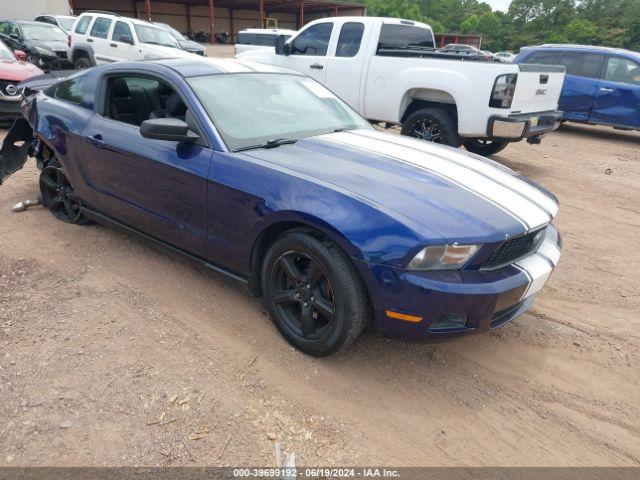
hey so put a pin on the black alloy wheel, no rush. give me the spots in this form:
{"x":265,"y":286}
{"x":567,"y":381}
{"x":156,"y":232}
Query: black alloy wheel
{"x":58,"y":196}
{"x":433,"y":124}
{"x":313,"y":293}
{"x":484,"y":146}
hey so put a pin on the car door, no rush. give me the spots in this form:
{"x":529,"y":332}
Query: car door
{"x":583,"y":71}
{"x":346,"y":62}
{"x":121,"y":46}
{"x":99,"y":39}
{"x":308,"y":51}
{"x":158,"y":187}
{"x":618,"y":97}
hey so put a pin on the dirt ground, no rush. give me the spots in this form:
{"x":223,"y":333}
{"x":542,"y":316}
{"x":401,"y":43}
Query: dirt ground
{"x":112,"y":353}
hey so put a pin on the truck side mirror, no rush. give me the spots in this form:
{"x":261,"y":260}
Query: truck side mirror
{"x":282,"y":47}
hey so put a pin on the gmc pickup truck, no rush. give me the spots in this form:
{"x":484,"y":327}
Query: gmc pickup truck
{"x":390,"y":72}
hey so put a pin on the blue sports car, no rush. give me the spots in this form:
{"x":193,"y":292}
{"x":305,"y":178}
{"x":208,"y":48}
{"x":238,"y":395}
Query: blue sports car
{"x":265,"y":175}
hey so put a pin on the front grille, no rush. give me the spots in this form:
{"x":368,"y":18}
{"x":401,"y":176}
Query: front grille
{"x":514,"y":249}
{"x":3,"y":87}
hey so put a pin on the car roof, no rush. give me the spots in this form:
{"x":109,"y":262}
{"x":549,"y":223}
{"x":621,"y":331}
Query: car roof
{"x":39,"y":24}
{"x":267,"y":30}
{"x":200,"y":66}
{"x":570,"y":46}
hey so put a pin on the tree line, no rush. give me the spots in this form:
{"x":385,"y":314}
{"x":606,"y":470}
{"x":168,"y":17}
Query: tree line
{"x":614,"y":23}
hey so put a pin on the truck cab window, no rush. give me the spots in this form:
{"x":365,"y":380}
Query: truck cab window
{"x":313,"y":41}
{"x":582,"y":64}
{"x":393,"y":36}
{"x":350,"y":39}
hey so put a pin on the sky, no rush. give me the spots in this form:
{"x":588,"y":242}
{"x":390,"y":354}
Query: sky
{"x":499,"y":4}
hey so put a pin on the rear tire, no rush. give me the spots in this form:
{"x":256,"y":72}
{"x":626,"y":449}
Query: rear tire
{"x":82,"y":63}
{"x":484,"y":147}
{"x":313,"y":294}
{"x":433,"y":124}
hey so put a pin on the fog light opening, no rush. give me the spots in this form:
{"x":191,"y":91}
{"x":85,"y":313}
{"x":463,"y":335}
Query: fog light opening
{"x":449,"y":322}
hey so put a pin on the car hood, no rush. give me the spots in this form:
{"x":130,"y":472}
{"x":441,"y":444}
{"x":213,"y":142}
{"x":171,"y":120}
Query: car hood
{"x":190,"y":45}
{"x":460,"y":196}
{"x":16,"y":71}
{"x":55,"y":45}
{"x":158,"y":51}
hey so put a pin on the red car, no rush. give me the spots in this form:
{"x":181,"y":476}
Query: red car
{"x":13,"y":70}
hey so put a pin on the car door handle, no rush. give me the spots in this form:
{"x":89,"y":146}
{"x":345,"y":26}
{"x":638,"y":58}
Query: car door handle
{"x":606,"y":90}
{"x":90,"y":40}
{"x":316,"y":66}
{"x":97,"y":141}
{"x":115,"y":45}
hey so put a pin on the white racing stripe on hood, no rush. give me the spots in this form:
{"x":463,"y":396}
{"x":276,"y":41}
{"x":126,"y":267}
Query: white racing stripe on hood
{"x":530,"y":214}
{"x":483,"y":167}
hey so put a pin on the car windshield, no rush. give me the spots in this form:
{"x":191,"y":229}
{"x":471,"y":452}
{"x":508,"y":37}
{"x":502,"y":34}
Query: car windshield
{"x":43,"y":32}
{"x":173,"y":31}
{"x":155,"y":36}
{"x":5,"y":53}
{"x":66,"y":22}
{"x":251,"y":109}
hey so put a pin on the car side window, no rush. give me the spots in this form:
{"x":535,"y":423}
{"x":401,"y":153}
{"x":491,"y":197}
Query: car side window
{"x":404,"y":36}
{"x":350,"y":39}
{"x":100,"y":27}
{"x":122,"y":33}
{"x":544,"y":58}
{"x":69,"y":91}
{"x":622,"y":70}
{"x":583,"y":64}
{"x":246,"y":39}
{"x":313,"y":41}
{"x":83,"y":24}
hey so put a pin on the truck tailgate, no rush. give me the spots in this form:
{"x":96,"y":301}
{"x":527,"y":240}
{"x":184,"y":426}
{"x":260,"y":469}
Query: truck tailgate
{"x":538,"y":88}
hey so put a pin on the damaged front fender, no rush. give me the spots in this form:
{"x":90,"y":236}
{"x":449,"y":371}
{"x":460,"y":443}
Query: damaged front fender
{"x":15,"y":148}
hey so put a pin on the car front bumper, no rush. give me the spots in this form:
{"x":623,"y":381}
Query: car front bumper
{"x":457,"y":302}
{"x":524,"y":125}
{"x":9,"y":107}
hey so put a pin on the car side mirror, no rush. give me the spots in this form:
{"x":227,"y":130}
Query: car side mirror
{"x":126,"y":39}
{"x":169,"y":129}
{"x":20,"y":55}
{"x":282,"y":47}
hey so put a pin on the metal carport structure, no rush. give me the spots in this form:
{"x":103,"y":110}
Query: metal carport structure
{"x":218,"y":16}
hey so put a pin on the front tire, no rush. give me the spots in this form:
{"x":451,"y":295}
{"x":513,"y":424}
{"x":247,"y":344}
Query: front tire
{"x":82,"y":63}
{"x":313,"y":294}
{"x":484,"y":147}
{"x":436,"y":125}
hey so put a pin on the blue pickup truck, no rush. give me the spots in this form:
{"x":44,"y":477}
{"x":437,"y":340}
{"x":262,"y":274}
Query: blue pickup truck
{"x":601,"y":87}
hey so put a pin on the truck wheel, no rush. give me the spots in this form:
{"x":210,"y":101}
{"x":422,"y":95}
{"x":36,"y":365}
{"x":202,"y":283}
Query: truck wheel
{"x":82,"y":63}
{"x":433,"y":125}
{"x":483,"y":146}
{"x":313,"y":294}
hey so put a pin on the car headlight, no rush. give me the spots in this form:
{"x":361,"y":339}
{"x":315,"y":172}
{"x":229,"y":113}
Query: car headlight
{"x":503,"y":90}
{"x":443,"y":257}
{"x":44,"y":51}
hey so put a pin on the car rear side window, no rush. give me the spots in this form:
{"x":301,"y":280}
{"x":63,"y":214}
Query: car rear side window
{"x":246,"y":39}
{"x":100,"y":27}
{"x":313,"y":41}
{"x":350,"y":39}
{"x":83,"y":24}
{"x":583,"y":64}
{"x":404,"y":37}
{"x":544,"y":58}
{"x":622,"y":70}
{"x":266,"y":40}
{"x":69,"y":91}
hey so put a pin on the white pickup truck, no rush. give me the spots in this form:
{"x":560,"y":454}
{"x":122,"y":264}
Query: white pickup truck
{"x":389,"y":70}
